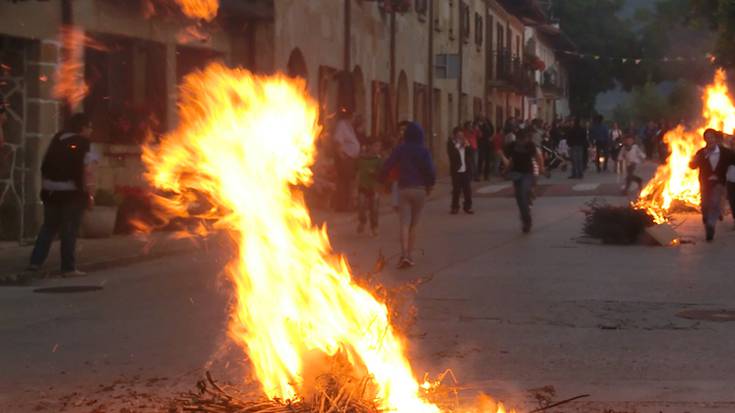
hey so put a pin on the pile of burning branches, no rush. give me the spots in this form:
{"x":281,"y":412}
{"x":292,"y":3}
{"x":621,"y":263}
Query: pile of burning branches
{"x":332,"y":395}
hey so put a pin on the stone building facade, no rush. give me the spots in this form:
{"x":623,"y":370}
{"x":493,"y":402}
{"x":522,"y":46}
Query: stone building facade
{"x":438,"y":62}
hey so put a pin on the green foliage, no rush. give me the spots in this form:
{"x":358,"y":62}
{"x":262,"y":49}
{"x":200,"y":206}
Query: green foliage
{"x":719,"y":17}
{"x":596,"y":28}
{"x":647,"y":102}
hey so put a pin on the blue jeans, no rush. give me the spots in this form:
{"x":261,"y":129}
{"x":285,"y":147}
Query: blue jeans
{"x":62,"y":218}
{"x":522,"y":185}
{"x":577,"y":155}
{"x":711,"y":203}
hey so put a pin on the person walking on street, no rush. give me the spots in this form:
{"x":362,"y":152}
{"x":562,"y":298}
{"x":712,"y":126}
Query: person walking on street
{"x":67,"y":190}
{"x":576,"y":139}
{"x":518,"y":158}
{"x":458,"y":151}
{"x":713,"y":162}
{"x":368,"y":197}
{"x":347,"y":150}
{"x":416,"y":179}
{"x":730,"y":178}
{"x":632,"y":156}
{"x":600,"y":136}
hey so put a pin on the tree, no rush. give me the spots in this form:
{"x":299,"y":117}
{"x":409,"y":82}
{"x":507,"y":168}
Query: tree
{"x":595,"y":27}
{"x":719,"y":17}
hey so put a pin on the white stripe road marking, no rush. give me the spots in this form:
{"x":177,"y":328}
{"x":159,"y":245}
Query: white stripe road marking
{"x":491,"y":189}
{"x":585,"y":187}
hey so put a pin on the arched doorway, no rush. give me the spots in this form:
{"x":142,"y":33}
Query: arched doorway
{"x":402,"y":109}
{"x":297,"y":65}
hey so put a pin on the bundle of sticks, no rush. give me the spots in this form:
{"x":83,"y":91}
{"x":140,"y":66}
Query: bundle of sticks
{"x":333,"y":396}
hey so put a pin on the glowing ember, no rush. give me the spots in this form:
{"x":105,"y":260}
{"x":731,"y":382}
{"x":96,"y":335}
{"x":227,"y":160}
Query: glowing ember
{"x":243,"y":142}
{"x":70,"y":85}
{"x":199,"y":9}
{"x":675,"y":183}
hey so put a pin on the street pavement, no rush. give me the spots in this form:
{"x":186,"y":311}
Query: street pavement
{"x":506,"y":312}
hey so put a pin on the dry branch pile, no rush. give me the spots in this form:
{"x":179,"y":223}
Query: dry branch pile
{"x":621,"y":225}
{"x":333,"y":395}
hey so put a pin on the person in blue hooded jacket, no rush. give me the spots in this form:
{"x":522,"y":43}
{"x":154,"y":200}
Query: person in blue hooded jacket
{"x":416,"y":179}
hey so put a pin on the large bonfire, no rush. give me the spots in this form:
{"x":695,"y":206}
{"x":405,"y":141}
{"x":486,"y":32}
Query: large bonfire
{"x":244,"y":143}
{"x":675,"y":185}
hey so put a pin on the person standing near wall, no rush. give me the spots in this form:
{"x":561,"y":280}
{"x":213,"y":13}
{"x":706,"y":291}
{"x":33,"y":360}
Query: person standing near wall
{"x":458,"y":152}
{"x":416,"y":179}
{"x":67,"y":190}
{"x":346,"y":152}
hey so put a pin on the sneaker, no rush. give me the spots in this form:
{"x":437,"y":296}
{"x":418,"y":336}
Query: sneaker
{"x":72,"y":274}
{"x":469,"y":211}
{"x":33,"y":268}
{"x":403,"y":263}
{"x":454,"y":211}
{"x":410,"y":262}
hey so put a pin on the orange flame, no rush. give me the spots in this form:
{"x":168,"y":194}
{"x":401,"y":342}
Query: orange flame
{"x":70,"y":85}
{"x":244,"y":142}
{"x":199,"y":9}
{"x":674,"y":182}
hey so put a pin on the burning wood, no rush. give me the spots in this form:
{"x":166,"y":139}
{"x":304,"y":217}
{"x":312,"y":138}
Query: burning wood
{"x":675,"y":187}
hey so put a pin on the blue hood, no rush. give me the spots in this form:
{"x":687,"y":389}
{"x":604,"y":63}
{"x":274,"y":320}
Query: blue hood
{"x":413,"y":134}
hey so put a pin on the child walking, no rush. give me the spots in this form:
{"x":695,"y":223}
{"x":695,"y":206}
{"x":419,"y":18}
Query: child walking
{"x":368,"y":167}
{"x":632,"y":156}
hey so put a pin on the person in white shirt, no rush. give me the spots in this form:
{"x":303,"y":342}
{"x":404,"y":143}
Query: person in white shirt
{"x":347,"y":150}
{"x":632,"y":156}
{"x":460,"y":167}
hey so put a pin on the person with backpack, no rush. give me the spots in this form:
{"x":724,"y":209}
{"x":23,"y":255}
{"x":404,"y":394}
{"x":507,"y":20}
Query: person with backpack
{"x":67,"y":189}
{"x":416,"y":179}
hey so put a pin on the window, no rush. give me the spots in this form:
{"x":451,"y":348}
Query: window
{"x":451,"y":19}
{"x":446,"y":66}
{"x":478,"y":29}
{"x":465,"y":22}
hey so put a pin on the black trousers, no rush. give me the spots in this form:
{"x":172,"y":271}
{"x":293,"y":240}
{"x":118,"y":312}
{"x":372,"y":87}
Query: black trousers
{"x":484,"y":160}
{"x":461,"y":184}
{"x":731,"y":197}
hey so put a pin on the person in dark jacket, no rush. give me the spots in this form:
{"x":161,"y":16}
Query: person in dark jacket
{"x":460,"y":168}
{"x":600,"y":136}
{"x":713,"y":162}
{"x":416,"y":179}
{"x":577,"y":141}
{"x":484,"y":150}
{"x":67,"y":190}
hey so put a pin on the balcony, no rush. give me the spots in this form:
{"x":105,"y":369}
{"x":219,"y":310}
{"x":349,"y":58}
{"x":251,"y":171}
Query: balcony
{"x":511,"y":75}
{"x":550,"y":85}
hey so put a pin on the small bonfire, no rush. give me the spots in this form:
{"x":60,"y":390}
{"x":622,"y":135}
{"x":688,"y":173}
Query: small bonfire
{"x":675,"y":187}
